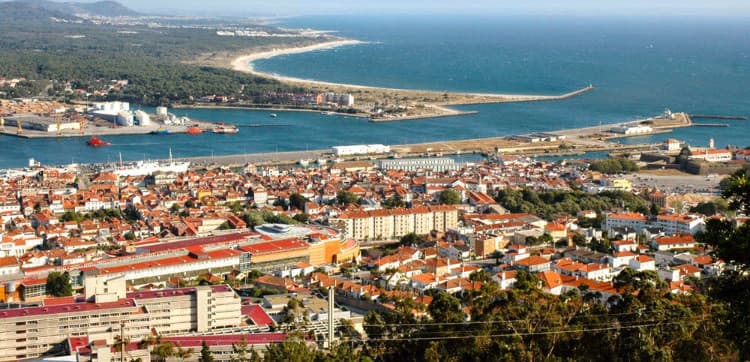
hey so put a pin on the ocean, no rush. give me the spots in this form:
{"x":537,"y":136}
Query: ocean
{"x":639,"y":66}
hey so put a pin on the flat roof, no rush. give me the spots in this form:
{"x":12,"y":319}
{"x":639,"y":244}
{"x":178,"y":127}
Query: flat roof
{"x":65,"y":308}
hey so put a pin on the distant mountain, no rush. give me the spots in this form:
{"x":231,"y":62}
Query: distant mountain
{"x":99,"y":8}
{"x":24,"y":12}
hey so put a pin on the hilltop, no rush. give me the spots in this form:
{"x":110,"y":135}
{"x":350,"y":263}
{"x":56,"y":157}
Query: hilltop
{"x":15,"y":12}
{"x":69,"y":10}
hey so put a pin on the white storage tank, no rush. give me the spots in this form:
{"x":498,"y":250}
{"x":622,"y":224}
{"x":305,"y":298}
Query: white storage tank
{"x":143,"y":118}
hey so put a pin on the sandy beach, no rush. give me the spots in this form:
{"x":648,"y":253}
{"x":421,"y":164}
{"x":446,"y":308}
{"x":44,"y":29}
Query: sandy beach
{"x":243,"y":63}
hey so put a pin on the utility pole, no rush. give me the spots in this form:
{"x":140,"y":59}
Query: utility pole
{"x":331,"y":305}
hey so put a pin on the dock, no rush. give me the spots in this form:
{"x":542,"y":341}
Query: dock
{"x":710,"y":124}
{"x":712,"y":116}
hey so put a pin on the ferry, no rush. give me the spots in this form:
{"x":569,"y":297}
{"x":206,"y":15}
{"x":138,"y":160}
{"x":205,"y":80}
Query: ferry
{"x":97,"y":142}
{"x":223,"y":128}
{"x":160,"y":131}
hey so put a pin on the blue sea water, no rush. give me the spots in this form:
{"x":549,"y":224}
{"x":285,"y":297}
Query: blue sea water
{"x":639,"y":66}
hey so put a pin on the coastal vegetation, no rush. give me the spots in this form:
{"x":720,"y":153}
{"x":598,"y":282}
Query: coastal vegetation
{"x":82,"y":55}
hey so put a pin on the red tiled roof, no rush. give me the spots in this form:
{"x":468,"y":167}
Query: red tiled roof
{"x":257,"y":315}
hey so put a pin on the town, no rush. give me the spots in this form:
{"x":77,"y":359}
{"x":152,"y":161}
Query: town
{"x":94,"y":265}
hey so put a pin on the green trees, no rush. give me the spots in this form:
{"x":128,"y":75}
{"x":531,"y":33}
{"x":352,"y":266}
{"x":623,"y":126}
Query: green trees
{"x":550,"y":203}
{"x":394,"y":201}
{"x":206,"y":355}
{"x":344,"y":197}
{"x":58,"y":284}
{"x":297,"y":201}
{"x":614,"y":165}
{"x":732,"y":244}
{"x":411,"y":239}
{"x":449,"y":197}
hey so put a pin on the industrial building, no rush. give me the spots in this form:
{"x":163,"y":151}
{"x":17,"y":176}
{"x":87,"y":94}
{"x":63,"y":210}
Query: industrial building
{"x":41,"y":123}
{"x":115,"y":112}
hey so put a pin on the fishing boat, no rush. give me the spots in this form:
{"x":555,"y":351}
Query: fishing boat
{"x":223,"y":128}
{"x":160,"y":131}
{"x":194,"y":130}
{"x":97,"y":142}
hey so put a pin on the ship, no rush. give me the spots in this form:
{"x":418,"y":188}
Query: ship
{"x":160,"y":131}
{"x":194,"y":130}
{"x":97,"y":142}
{"x":147,"y":168}
{"x":223,"y":128}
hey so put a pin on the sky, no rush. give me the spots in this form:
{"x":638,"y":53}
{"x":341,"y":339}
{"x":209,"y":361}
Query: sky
{"x":530,"y":7}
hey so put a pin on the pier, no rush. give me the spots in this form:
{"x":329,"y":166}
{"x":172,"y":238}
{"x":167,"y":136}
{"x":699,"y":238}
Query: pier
{"x":712,"y":116}
{"x":710,"y":124}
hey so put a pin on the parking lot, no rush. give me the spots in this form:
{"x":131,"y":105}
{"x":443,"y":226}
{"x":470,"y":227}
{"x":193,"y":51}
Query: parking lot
{"x":677,"y":184}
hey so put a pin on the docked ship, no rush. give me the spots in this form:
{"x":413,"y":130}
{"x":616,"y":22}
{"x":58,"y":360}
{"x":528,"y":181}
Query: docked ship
{"x":146,"y":168}
{"x":223,"y":128}
{"x":97,"y":142}
{"x":160,"y":131}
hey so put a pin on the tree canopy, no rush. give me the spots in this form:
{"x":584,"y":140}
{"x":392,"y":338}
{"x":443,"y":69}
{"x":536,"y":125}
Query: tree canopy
{"x":58,"y":284}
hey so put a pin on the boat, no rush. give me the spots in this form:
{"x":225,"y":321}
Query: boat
{"x":194,"y":130}
{"x":160,"y":131}
{"x":274,"y":115}
{"x":304,"y":163}
{"x":146,"y":168}
{"x":223,"y":128}
{"x":97,"y":142}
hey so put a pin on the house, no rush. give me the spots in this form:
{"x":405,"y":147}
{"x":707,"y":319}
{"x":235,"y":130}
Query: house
{"x":505,"y":279}
{"x":684,"y":241}
{"x":642,"y":263}
{"x":534,"y":264}
{"x":551,"y":282}
{"x":624,"y":245}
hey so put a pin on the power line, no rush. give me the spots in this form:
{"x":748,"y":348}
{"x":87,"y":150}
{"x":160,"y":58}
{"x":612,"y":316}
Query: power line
{"x":693,"y":309}
{"x":579,"y":330}
{"x":600,"y":324}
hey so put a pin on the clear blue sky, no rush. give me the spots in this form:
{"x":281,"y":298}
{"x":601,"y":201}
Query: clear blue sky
{"x":541,"y":7}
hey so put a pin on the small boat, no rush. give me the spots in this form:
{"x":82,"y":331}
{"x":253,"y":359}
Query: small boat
{"x":194,"y":130}
{"x":160,"y":131}
{"x":274,"y":115}
{"x":304,"y":163}
{"x":223,"y":128}
{"x":97,"y":142}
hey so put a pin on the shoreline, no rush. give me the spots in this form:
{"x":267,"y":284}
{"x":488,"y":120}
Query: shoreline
{"x":244,"y":63}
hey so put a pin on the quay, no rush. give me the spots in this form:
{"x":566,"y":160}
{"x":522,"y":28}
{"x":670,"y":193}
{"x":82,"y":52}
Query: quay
{"x":710,"y":124}
{"x":711,"y":116}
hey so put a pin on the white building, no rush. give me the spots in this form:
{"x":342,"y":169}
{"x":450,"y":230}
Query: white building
{"x":360,"y":150}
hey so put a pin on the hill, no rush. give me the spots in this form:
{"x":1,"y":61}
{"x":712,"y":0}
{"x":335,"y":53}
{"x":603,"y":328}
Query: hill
{"x":99,"y":8}
{"x":22,"y":12}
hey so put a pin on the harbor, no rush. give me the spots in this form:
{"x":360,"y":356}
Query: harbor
{"x":104,"y":119}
